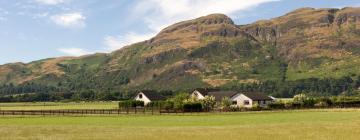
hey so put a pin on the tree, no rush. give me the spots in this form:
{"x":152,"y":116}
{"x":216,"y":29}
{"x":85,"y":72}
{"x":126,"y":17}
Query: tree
{"x":209,"y":102}
{"x":300,"y":98}
{"x":225,"y":103}
{"x":179,"y":100}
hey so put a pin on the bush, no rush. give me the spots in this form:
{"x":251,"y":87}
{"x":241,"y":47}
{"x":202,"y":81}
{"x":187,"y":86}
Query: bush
{"x":350,"y":103}
{"x":168,"y":105}
{"x":326,"y":100}
{"x":321,"y":104}
{"x":156,"y":104}
{"x":234,"y":108}
{"x":255,"y":107}
{"x":277,"y":105}
{"x":192,"y":107}
{"x":131,"y":103}
{"x":309,"y":102}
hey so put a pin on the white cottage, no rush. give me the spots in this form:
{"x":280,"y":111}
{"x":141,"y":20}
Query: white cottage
{"x":249,"y":99}
{"x":200,"y":93}
{"x":148,"y":96}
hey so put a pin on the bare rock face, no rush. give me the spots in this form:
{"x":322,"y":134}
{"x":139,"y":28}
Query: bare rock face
{"x":188,"y":34}
{"x":305,"y":32}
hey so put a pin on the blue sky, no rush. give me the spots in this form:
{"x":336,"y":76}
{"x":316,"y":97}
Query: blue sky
{"x":38,"y":29}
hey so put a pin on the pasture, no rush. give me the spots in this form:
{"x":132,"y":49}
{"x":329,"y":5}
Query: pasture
{"x":325,"y":124}
{"x":58,"y":105}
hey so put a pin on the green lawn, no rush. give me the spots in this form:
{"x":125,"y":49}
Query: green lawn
{"x":58,"y":105}
{"x":296,"y":125}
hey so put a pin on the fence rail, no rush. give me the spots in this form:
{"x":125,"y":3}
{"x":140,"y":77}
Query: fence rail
{"x":133,"y":110}
{"x":128,"y":110}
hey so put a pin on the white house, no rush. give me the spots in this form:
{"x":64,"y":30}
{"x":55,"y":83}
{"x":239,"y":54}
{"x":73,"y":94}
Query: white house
{"x":200,"y":93}
{"x":241,"y":99}
{"x":148,"y":96}
{"x":249,"y":99}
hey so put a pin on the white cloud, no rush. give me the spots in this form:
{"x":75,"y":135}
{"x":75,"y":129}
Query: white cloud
{"x":50,"y":2}
{"x":161,"y":13}
{"x":3,"y":18}
{"x":75,"y":19}
{"x":117,"y":42}
{"x":74,"y":51}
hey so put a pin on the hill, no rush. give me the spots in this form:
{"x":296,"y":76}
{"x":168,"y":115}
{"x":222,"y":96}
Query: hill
{"x":210,"y":51}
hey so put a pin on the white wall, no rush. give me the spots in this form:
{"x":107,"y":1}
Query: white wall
{"x":240,"y":99}
{"x":197,"y":94}
{"x":144,"y":98}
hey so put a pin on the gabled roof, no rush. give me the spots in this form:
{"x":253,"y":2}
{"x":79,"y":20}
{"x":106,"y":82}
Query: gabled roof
{"x":153,"y":95}
{"x":256,"y":96}
{"x":219,"y":95}
{"x":205,"y":91}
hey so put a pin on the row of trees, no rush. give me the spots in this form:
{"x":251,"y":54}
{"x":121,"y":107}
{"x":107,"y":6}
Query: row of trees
{"x":304,"y":101}
{"x":312,"y":87}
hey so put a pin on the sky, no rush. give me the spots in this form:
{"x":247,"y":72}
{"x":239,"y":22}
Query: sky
{"x":37,"y":29}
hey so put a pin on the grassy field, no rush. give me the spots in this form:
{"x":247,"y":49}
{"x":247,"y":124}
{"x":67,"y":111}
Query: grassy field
{"x":296,"y":125}
{"x":58,"y":105}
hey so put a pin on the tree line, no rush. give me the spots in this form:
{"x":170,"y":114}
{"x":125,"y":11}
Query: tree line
{"x":316,"y":87}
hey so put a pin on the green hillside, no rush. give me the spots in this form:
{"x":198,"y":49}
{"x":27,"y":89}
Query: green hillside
{"x":209,"y":51}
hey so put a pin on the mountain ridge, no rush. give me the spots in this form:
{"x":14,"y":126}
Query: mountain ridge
{"x":212,"y":51}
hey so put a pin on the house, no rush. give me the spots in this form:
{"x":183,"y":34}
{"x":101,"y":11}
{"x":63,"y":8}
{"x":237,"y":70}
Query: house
{"x":148,"y":96}
{"x":200,"y":93}
{"x":243,"y":99}
{"x":249,"y":99}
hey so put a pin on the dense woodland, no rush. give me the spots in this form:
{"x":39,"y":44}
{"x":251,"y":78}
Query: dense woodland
{"x":30,"y":92}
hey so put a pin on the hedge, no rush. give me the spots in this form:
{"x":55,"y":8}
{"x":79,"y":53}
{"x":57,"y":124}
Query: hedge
{"x":131,"y":103}
{"x":192,"y":107}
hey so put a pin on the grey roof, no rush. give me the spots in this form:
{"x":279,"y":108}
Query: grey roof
{"x":256,"y":96}
{"x":153,"y":95}
{"x":205,"y":91}
{"x":219,"y":95}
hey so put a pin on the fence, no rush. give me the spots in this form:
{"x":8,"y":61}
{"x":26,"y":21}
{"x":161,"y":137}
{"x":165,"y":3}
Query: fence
{"x":138,"y":110}
{"x":80,"y":112}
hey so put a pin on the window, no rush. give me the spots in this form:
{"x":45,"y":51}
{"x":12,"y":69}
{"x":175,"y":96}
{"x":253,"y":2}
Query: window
{"x":234,"y":102}
{"x":246,"y":102}
{"x":140,"y":96}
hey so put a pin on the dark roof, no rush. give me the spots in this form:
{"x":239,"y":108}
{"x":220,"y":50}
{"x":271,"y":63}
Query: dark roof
{"x":219,"y":95}
{"x":205,"y":91}
{"x":153,"y":95}
{"x":256,"y":96}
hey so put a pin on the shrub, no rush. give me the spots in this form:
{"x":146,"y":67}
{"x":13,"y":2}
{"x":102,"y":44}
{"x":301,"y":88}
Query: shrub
{"x":225,"y":103}
{"x":131,"y":103}
{"x":168,"y":105}
{"x":156,"y":104}
{"x":255,"y":107}
{"x":277,"y":105}
{"x":302,"y":100}
{"x":192,"y":107}
{"x":321,"y":104}
{"x":234,"y":108}
{"x":178,"y":100}
{"x":326,"y":100}
{"x":208,"y":102}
